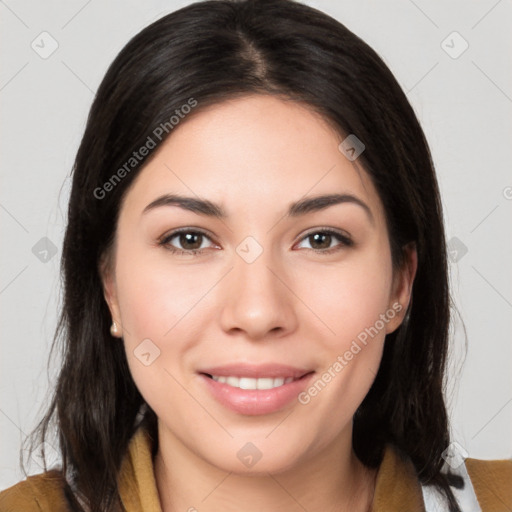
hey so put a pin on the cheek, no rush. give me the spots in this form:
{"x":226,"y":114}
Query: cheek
{"x":153,"y":295}
{"x":157,"y":304}
{"x":351,"y":297}
{"x":353,"y":302}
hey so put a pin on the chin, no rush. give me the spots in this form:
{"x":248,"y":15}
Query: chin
{"x":256,"y":457}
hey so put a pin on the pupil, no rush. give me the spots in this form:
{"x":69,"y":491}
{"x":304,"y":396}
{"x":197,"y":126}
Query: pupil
{"x":325,"y":236}
{"x":187,"y":239}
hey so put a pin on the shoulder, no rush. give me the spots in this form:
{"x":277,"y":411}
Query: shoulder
{"x":492,"y":482}
{"x":38,"y":493}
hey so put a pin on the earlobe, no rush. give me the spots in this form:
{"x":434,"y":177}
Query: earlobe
{"x":403,"y":285}
{"x":110,"y":294}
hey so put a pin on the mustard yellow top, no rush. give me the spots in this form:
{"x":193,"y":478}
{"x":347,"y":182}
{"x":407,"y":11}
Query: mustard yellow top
{"x":397,"y":487}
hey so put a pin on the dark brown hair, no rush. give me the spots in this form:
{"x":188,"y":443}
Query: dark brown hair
{"x":212,"y":51}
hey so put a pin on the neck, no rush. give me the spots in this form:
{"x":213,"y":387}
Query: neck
{"x":332,"y":480}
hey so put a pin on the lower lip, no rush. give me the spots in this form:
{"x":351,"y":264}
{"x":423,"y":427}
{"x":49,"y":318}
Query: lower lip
{"x":256,"y":401}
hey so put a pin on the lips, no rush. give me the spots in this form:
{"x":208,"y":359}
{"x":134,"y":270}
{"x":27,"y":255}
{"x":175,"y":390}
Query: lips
{"x":255,"y":389}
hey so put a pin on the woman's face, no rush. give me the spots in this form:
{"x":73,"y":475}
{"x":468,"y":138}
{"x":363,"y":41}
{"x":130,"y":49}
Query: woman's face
{"x":289,"y":322}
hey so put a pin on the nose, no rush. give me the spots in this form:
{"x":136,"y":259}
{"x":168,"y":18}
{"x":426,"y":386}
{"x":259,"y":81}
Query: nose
{"x":258,"y":299}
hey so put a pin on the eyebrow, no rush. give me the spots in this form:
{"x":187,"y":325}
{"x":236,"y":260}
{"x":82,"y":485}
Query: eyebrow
{"x":301,"y":207}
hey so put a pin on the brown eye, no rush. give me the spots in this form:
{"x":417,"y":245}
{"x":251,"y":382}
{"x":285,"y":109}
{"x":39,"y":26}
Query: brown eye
{"x":185,"y":241}
{"x":190,"y":240}
{"x":322,"y":241}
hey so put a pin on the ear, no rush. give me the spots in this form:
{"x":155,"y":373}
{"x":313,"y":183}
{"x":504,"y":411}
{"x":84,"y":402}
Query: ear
{"x":107,"y":276}
{"x":402,"y":287}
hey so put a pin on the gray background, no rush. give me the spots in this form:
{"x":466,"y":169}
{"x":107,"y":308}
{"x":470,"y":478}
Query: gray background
{"x":463,"y":101}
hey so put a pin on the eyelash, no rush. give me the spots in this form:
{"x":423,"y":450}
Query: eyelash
{"x":345,"y":241}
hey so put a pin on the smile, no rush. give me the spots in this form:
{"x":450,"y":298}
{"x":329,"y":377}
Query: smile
{"x":255,"y":389}
{"x":252,"y":383}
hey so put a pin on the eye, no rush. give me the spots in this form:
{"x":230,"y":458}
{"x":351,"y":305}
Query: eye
{"x":320,"y":241}
{"x":191,"y":241}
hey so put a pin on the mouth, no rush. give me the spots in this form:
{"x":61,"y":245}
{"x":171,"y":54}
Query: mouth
{"x":255,"y":389}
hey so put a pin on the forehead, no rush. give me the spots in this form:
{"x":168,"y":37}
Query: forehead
{"x":252,"y":153}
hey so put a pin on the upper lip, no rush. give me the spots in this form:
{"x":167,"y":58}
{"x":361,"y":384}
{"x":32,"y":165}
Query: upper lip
{"x":269,"y":370}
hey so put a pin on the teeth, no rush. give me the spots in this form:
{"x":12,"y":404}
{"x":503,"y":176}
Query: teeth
{"x":249,"y":383}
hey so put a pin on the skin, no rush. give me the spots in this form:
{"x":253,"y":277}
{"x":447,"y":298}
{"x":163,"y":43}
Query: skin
{"x":293,"y":305}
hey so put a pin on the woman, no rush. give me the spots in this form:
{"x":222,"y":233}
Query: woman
{"x":256,"y":306}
